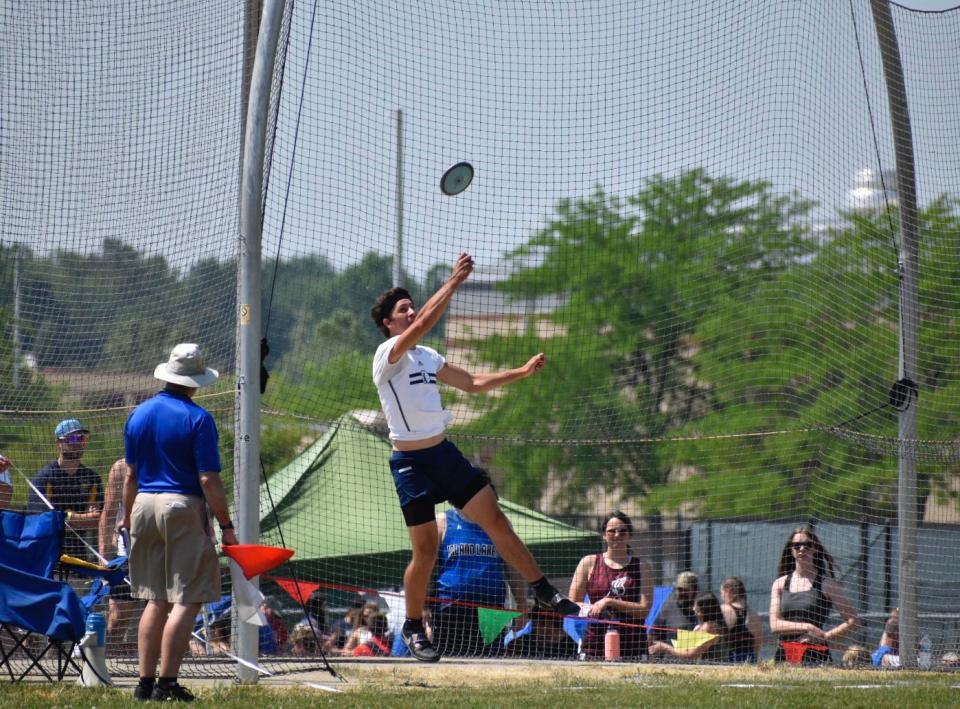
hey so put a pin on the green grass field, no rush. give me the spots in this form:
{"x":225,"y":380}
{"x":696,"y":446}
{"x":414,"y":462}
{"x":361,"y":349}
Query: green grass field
{"x":539,"y":685}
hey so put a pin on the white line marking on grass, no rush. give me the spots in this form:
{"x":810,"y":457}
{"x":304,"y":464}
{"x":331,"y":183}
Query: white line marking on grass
{"x":742,"y":685}
{"x":324,"y":687}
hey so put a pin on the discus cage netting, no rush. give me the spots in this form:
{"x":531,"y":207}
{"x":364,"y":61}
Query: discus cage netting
{"x":691,"y":208}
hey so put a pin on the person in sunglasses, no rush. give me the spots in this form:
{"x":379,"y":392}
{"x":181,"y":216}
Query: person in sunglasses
{"x":71,"y":487}
{"x":802,"y":597}
{"x":620,"y":588}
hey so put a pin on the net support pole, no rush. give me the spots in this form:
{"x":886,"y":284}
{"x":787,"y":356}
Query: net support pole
{"x":247,"y":448}
{"x":16,"y":316}
{"x":398,"y":259}
{"x":908,"y":273}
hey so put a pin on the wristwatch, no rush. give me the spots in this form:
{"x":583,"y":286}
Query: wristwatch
{"x":225,"y":527}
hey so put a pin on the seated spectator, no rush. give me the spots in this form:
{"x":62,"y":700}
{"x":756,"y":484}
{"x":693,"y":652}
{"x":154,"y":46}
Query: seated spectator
{"x":303,"y":641}
{"x":361,"y":633}
{"x":744,"y":629}
{"x":854,"y":657}
{"x":620,"y":588}
{"x":677,"y":612}
{"x":709,"y":620}
{"x":219,"y":638}
{"x":343,"y":627}
{"x":802,"y":596}
{"x":273,"y":635}
{"x":950,"y":660}
{"x":887,"y":654}
{"x":315,"y":613}
{"x":310,"y":632}
{"x":378,"y":645}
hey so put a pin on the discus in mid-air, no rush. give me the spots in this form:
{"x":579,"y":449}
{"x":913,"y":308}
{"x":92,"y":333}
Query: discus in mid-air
{"x":456,"y":179}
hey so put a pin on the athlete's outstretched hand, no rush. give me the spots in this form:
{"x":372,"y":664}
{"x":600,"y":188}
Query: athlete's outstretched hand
{"x":536,"y":363}
{"x":462,"y":268}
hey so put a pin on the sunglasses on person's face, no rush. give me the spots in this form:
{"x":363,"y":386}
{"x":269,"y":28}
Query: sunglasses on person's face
{"x":617,"y":532}
{"x":75,"y":438}
{"x":800,"y":546}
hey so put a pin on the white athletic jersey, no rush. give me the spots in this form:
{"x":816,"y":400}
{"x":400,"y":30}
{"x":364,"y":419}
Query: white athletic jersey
{"x":409,"y":393}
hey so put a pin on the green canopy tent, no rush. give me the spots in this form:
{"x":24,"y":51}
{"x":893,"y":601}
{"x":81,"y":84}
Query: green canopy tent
{"x":336,"y":506}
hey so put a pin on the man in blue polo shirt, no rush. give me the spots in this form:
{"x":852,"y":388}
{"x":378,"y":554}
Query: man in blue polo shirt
{"x":173,"y":474}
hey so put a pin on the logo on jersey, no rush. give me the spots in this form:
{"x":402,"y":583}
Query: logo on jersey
{"x":423,"y":377}
{"x":618,"y":587}
{"x":468,"y":549}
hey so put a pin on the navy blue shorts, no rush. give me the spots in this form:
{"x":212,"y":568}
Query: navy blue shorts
{"x":429,"y":476}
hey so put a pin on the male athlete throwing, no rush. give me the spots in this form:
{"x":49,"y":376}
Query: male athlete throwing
{"x":427,"y":468}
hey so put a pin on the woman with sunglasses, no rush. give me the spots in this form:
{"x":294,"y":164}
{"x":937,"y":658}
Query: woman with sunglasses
{"x":802,"y":596}
{"x":620,"y":588}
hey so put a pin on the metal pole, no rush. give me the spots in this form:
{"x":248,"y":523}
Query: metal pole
{"x":909,"y":275}
{"x":398,"y":258}
{"x":247,"y":451}
{"x":16,"y":317}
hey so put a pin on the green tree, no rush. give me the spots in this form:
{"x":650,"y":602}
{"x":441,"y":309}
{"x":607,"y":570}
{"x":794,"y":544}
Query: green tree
{"x":635,"y":278}
{"x":816,"y":354}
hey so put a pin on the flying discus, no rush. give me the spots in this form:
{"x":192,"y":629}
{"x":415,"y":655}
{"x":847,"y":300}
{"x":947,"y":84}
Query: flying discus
{"x":456,"y":179}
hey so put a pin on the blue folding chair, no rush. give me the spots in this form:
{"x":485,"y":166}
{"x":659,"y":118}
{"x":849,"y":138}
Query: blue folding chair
{"x":33,"y":604}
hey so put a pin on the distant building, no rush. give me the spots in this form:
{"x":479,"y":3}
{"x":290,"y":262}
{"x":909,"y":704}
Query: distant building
{"x":101,"y":390}
{"x":480,"y":309}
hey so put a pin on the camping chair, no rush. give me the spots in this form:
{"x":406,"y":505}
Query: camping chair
{"x":34,"y":604}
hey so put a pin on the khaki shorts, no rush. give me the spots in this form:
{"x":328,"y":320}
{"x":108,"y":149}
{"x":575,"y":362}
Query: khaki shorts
{"x":172,"y":557}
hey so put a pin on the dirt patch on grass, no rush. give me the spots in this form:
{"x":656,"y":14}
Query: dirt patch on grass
{"x":489,"y":673}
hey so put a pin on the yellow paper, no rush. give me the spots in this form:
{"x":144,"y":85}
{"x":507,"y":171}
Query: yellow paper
{"x":689,"y":639}
{"x":80,"y":563}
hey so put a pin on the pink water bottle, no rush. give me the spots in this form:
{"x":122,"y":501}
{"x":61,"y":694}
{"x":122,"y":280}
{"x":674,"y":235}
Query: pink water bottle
{"x":611,"y":644}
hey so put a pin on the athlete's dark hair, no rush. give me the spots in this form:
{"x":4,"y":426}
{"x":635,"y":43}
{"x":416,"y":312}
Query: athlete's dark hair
{"x":383,"y":307}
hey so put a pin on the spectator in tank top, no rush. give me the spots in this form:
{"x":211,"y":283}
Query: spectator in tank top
{"x":745,"y":632}
{"x":802,"y":596}
{"x":620,"y":588}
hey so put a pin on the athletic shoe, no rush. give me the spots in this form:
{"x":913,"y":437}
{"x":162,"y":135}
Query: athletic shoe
{"x":561,"y":604}
{"x":141,"y":694}
{"x":419,"y":645}
{"x":172,"y":693}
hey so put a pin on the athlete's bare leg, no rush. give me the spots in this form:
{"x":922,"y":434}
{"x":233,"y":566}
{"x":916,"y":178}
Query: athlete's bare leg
{"x":424,"y":539}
